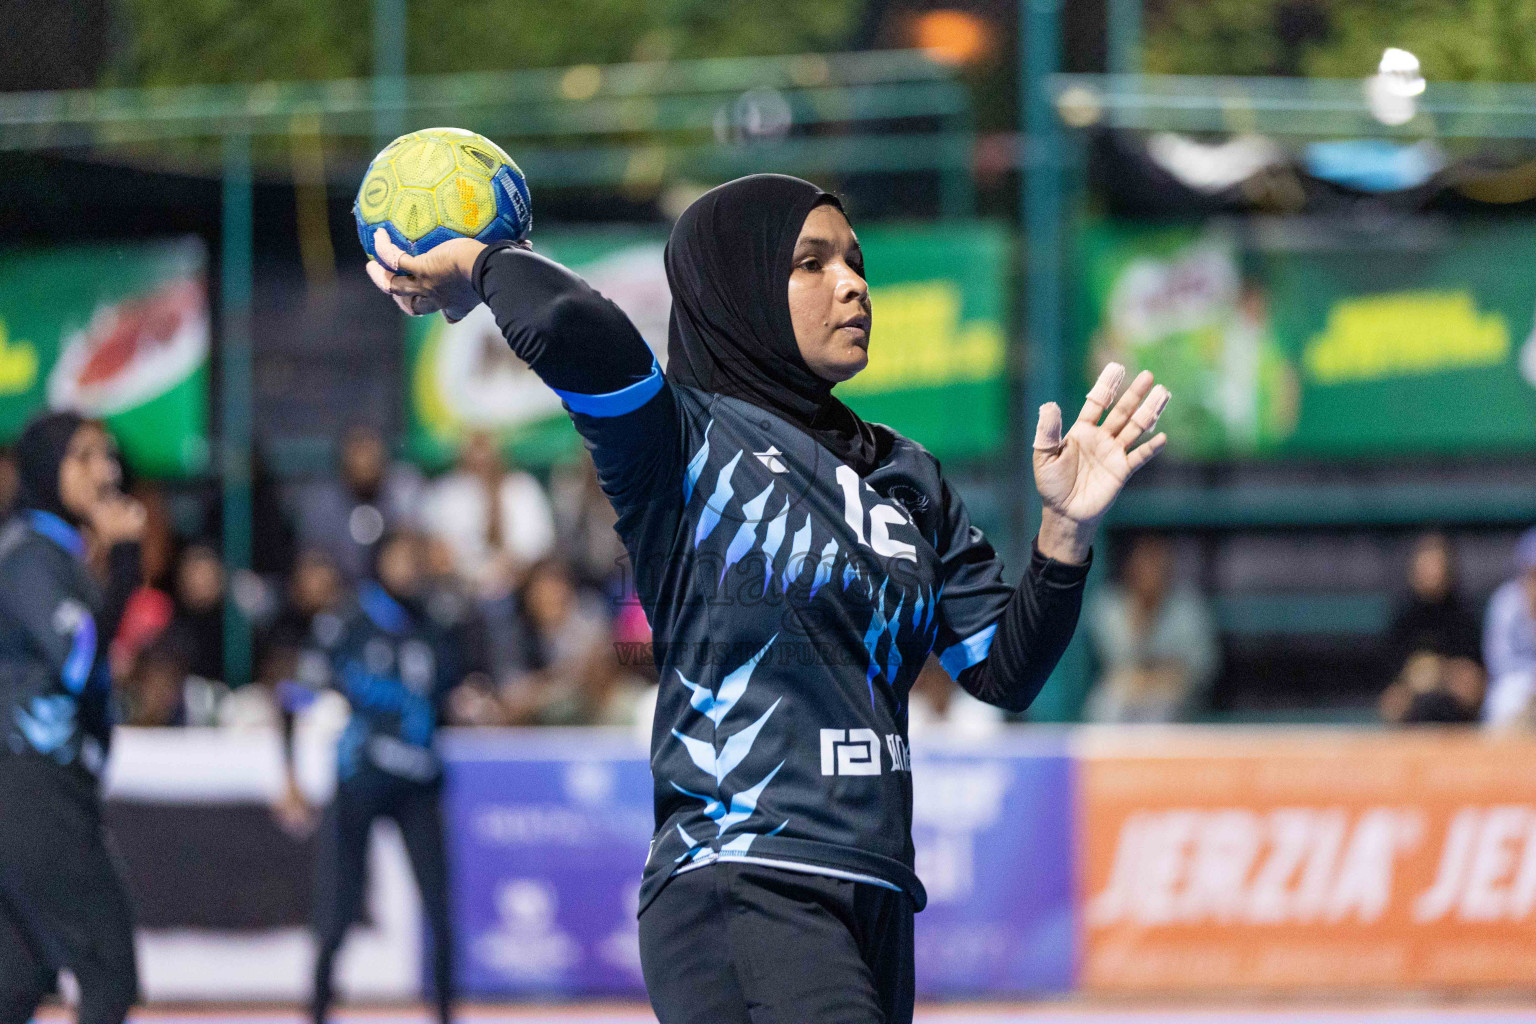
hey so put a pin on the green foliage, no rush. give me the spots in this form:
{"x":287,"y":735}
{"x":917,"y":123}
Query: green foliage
{"x":202,"y":42}
{"x":1455,"y":40}
{"x":175,"y":42}
{"x":1213,"y":37}
{"x":1464,"y":40}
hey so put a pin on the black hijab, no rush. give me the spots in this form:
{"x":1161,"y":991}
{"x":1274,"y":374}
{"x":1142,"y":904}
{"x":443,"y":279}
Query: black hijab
{"x":728,"y":265}
{"x":39,"y":454}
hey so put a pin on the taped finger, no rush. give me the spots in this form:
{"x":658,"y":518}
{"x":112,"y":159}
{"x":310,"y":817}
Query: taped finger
{"x":1102,"y":393}
{"x":1048,"y":429}
{"x":1129,"y":402}
{"x":1145,"y":417}
{"x":378,"y":275}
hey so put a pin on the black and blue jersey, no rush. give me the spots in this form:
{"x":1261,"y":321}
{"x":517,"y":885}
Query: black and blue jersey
{"x":394,"y":665}
{"x":55,"y":623}
{"x":792,"y":601}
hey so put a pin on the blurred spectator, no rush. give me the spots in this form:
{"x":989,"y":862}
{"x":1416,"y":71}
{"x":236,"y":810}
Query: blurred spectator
{"x":449,"y":604}
{"x":274,"y":540}
{"x":158,"y":692}
{"x":150,"y":608}
{"x":475,"y":702}
{"x":158,"y":548}
{"x":1155,"y":643}
{"x":146,"y":617}
{"x":496,"y":521}
{"x":196,"y":631}
{"x":346,"y":517}
{"x":289,"y":646}
{"x":314,"y":588}
{"x":608,"y":692}
{"x":9,"y":481}
{"x":584,"y":521}
{"x":937,"y":706}
{"x":572,"y":674}
{"x":1432,"y":647}
{"x":1509,"y":642}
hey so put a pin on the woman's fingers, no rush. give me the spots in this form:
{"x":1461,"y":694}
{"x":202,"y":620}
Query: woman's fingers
{"x":379,"y":276}
{"x":1140,"y":456}
{"x":406,"y":291}
{"x":1145,"y":417}
{"x":1133,"y":397}
{"x":1048,"y":429}
{"x":1102,"y":393}
{"x":390,"y":254}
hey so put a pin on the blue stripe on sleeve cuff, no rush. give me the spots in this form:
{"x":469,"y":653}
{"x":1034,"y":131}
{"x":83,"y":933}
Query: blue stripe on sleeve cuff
{"x":967,"y":652}
{"x":615,"y":403}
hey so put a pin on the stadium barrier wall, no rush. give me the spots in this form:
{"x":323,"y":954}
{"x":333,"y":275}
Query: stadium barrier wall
{"x":1131,"y":861}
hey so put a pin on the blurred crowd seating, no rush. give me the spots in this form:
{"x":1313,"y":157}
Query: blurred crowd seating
{"x":529,"y":574}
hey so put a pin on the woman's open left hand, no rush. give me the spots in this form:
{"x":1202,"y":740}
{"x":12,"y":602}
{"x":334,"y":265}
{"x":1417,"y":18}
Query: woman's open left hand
{"x":437,"y":280}
{"x":1080,"y":475}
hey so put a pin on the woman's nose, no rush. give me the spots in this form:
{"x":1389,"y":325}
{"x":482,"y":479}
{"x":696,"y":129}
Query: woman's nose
{"x":853,"y":288}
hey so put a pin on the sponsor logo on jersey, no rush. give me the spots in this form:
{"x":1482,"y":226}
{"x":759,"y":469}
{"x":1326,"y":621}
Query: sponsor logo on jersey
{"x":857,"y":752}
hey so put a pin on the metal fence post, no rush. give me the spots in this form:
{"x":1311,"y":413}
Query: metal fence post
{"x":388,"y":70}
{"x":1124,"y":29}
{"x":1042,"y":358}
{"x":235,"y":395}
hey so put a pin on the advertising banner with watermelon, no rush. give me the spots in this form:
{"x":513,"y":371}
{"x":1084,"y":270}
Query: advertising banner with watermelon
{"x":939,"y":345}
{"x":119,"y":332}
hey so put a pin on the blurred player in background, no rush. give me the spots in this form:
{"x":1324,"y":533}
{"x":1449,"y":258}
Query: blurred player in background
{"x":69,"y":558}
{"x":394,"y":663}
{"x":797,"y":565}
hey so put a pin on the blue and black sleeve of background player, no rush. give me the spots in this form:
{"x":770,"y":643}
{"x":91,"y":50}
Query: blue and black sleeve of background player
{"x":999,"y":642}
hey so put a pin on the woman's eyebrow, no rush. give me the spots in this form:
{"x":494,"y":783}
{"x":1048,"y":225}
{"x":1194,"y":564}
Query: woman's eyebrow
{"x":815,"y":245}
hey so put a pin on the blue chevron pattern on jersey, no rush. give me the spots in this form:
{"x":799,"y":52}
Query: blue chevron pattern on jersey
{"x":719,"y":756}
{"x":771,"y":541}
{"x":696,"y":465}
{"x":892,"y":652}
{"x":751,"y":516}
{"x":824,"y":566}
{"x":724,"y":491}
{"x":799,"y":548}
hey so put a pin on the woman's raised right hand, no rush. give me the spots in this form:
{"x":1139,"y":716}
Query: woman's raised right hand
{"x":436,"y":281}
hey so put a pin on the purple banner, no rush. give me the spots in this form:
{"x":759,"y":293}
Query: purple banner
{"x":548,"y":830}
{"x":547,"y":834}
{"x":993,"y":827}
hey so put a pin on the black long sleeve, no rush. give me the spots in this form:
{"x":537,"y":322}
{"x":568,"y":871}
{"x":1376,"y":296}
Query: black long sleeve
{"x":123,"y":577}
{"x":999,"y":642}
{"x":572,"y":337}
{"x":586,"y":349}
{"x":1033,"y":632}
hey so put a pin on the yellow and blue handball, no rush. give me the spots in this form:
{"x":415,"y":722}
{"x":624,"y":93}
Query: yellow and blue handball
{"x":441,"y":183}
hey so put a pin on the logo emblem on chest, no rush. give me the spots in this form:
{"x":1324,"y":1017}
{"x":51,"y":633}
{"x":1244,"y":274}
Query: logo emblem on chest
{"x":770,"y":458}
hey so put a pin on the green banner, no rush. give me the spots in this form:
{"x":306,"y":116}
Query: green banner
{"x":937,"y":349}
{"x":118,"y":332}
{"x":1302,"y":339}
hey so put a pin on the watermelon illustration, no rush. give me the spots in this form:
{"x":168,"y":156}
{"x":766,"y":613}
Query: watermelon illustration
{"x":132,"y":351}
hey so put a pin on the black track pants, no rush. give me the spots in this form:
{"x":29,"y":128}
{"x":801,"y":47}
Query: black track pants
{"x":63,"y":905}
{"x":417,"y":808}
{"x":746,"y":944}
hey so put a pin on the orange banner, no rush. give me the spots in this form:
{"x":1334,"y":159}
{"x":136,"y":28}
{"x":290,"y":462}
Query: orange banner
{"x":1320,"y":860}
